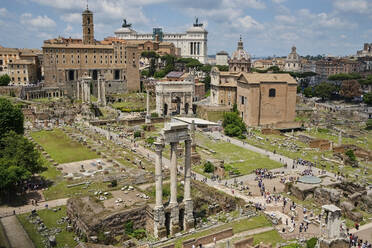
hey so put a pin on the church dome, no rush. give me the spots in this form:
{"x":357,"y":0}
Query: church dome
{"x":293,"y":56}
{"x":240,"y":54}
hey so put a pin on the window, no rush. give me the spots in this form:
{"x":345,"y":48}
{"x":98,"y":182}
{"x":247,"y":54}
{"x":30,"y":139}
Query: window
{"x":242,"y":99}
{"x":272,"y":93}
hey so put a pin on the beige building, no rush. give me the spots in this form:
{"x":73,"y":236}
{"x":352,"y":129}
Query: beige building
{"x":293,"y":61}
{"x":266,"y":99}
{"x":22,"y":72}
{"x":65,"y":61}
{"x":240,"y":60}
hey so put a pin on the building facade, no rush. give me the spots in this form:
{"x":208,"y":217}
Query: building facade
{"x":222,"y":58}
{"x":23,"y":72}
{"x":366,"y":52}
{"x":332,"y":66}
{"x":65,"y":61}
{"x":240,"y":60}
{"x":293,"y":61}
{"x":192,"y":44}
{"x":266,"y":98}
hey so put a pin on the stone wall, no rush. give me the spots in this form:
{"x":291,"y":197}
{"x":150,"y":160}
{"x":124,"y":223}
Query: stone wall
{"x":340,"y":243}
{"x":327,"y":196}
{"x":89,"y":218}
{"x":323,"y":145}
{"x":244,"y":243}
{"x":208,"y":239}
{"x":11,"y":91}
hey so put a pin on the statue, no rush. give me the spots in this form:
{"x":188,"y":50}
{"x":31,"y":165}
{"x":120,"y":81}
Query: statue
{"x":125,"y":24}
{"x":197,"y":24}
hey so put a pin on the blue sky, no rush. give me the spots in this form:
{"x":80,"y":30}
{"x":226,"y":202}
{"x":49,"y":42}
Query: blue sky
{"x":268,"y":27}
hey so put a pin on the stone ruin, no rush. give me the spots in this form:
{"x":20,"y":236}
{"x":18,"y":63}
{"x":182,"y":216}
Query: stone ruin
{"x":332,"y":229}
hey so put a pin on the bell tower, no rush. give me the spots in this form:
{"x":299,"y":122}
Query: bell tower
{"x":88,"y":27}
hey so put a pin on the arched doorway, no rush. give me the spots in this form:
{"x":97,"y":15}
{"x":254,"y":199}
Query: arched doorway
{"x":165,"y":109}
{"x":176,"y":104}
{"x":186,"y":108}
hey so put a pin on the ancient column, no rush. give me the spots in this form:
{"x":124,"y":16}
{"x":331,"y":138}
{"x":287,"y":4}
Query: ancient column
{"x":339,"y":138}
{"x":193,"y":144}
{"x":159,"y":217}
{"x":103,"y":92}
{"x":174,"y":218}
{"x":147,"y":119}
{"x":99,"y":89}
{"x":77,"y":90}
{"x":188,"y":217}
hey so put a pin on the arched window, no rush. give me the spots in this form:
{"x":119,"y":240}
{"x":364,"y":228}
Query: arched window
{"x":234,"y":68}
{"x":88,"y":20}
{"x":272,"y":92}
{"x":88,"y":30}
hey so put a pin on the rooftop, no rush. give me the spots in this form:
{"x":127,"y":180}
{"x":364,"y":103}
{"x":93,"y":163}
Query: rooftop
{"x":254,"y":78}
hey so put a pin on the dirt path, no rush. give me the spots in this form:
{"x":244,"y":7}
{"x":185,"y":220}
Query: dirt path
{"x":8,"y":211}
{"x":16,"y":234}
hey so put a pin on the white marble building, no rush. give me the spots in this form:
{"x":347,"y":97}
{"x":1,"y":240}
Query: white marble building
{"x":192,"y":44}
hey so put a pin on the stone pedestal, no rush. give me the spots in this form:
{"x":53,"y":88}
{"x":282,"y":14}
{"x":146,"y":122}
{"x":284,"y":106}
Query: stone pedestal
{"x":174,"y":226}
{"x":188,"y":219}
{"x":159,"y":223}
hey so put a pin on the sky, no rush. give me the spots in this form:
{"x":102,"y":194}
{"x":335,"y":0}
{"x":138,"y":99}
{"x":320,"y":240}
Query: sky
{"x":267,"y":27}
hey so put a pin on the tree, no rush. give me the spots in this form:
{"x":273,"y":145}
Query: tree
{"x":324,"y":90}
{"x":18,"y":161}
{"x":152,"y":68}
{"x":344,"y":76}
{"x":350,"y":89}
{"x":233,"y":125}
{"x":208,"y":167}
{"x":4,"y":80}
{"x":367,"y":98}
{"x":11,"y":118}
{"x":223,"y":67}
{"x":308,"y":91}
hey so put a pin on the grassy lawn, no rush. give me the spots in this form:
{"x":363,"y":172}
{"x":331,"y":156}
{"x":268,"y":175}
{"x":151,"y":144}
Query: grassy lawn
{"x":61,"y":148}
{"x":270,"y":237}
{"x":3,"y":240}
{"x":237,"y":226}
{"x":50,"y":218}
{"x":133,"y":101}
{"x":236,"y":157}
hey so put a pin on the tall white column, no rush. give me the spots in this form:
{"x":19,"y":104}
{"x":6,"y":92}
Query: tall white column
{"x":188,"y":222}
{"x":158,"y":175}
{"x":77,"y":90}
{"x":99,"y":89}
{"x":159,"y":216}
{"x":187,"y":184}
{"x":147,"y":119}
{"x":174,"y":215}
{"x":173,"y":174}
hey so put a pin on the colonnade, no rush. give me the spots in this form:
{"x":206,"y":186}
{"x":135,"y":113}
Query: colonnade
{"x":174,"y":133}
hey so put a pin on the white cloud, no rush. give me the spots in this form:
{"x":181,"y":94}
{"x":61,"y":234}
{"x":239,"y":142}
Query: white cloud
{"x":72,"y":17}
{"x":62,"y":4}
{"x":285,"y":18}
{"x":254,"y":4}
{"x":357,"y":6}
{"x":248,"y":23}
{"x":68,"y":28}
{"x":43,"y":22}
{"x":279,"y":1}
{"x":3,"y":12}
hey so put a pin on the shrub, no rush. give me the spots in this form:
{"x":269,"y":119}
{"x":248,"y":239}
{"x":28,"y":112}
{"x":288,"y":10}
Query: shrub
{"x":208,"y":167}
{"x":139,"y":233}
{"x":114,"y":183}
{"x":154,"y":115}
{"x":311,"y":243}
{"x":369,"y":124}
{"x":137,"y":134}
{"x":150,"y":140}
{"x":351,"y":155}
{"x":128,"y":227}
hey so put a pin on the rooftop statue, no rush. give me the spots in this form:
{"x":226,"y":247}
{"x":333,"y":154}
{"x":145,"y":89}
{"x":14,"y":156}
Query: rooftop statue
{"x":125,"y":24}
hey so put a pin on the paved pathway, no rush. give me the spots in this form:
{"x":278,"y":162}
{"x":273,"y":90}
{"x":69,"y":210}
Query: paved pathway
{"x":241,"y":235}
{"x":8,"y":211}
{"x":16,"y":234}
{"x":364,"y":232}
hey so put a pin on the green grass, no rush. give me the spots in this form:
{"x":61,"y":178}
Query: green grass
{"x":61,"y":148}
{"x":237,"y":226}
{"x":231,"y":154}
{"x":270,"y":237}
{"x":3,"y":240}
{"x":50,"y":219}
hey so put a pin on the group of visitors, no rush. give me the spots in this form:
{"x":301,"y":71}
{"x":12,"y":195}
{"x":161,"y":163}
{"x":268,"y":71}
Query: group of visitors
{"x":354,"y":241}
